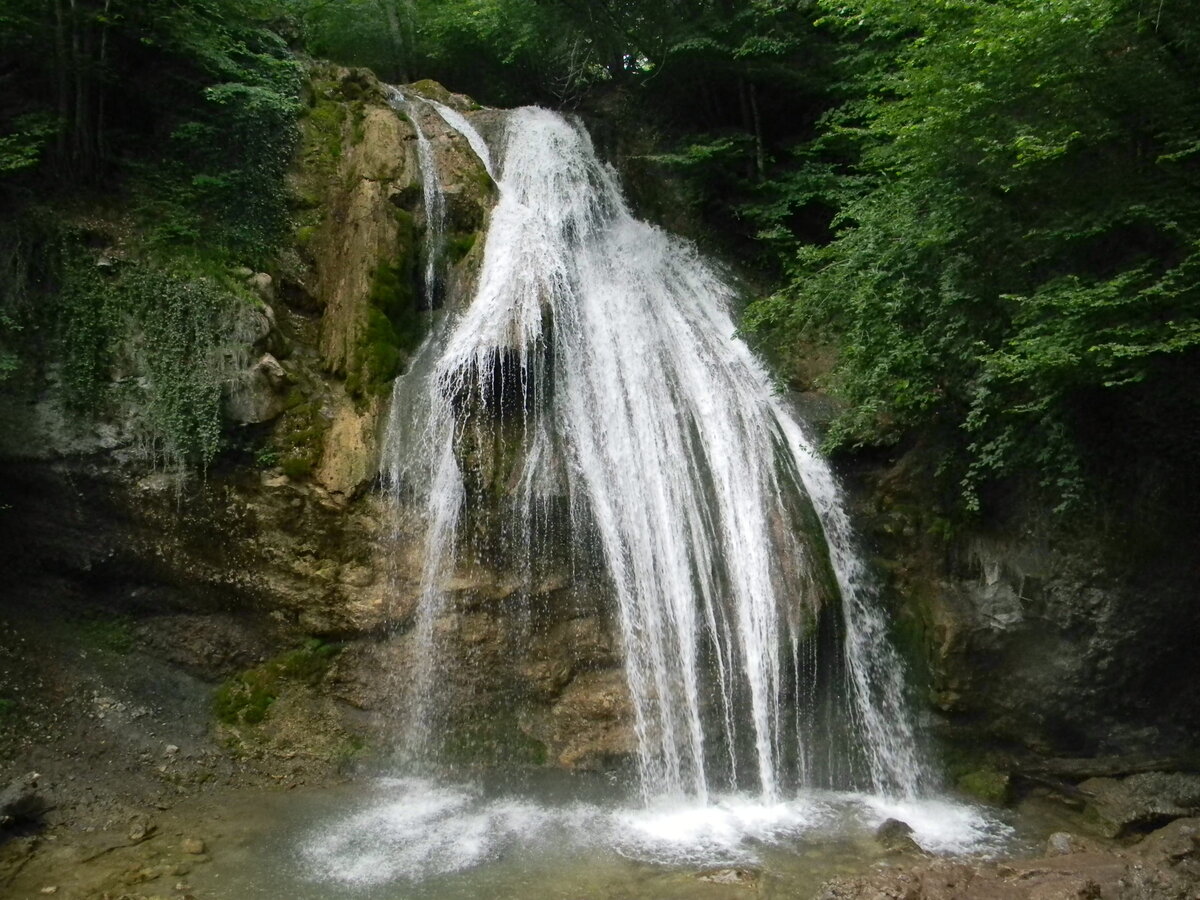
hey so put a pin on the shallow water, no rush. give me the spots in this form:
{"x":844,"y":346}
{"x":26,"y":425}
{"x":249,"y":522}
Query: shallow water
{"x":393,"y":838}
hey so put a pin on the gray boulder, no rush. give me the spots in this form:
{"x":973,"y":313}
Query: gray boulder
{"x":1142,"y":802}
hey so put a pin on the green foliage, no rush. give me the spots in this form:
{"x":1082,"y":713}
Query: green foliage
{"x":194,"y":102}
{"x":175,"y":330}
{"x":23,"y":147}
{"x":322,"y":124}
{"x":1017,"y":224}
{"x":246,"y":698}
{"x":27,"y":262}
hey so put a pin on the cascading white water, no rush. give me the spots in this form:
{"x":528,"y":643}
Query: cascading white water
{"x":459,"y":123}
{"x":755,"y":652}
{"x":434,"y":199}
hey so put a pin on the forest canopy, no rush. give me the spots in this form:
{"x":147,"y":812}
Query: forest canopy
{"x":991,"y":208}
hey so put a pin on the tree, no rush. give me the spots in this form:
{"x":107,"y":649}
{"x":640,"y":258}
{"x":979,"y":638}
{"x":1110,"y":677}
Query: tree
{"x":1018,"y":226}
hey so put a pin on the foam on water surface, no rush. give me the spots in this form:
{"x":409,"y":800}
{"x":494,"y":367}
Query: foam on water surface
{"x":413,"y":830}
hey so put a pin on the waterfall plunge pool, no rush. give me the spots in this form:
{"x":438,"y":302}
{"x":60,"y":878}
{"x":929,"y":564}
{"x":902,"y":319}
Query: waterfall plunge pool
{"x":393,"y":838}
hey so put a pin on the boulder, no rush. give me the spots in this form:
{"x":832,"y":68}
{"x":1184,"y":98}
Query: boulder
{"x":1142,"y":802}
{"x":895,"y":836}
{"x":263,"y":285}
{"x":257,"y":394}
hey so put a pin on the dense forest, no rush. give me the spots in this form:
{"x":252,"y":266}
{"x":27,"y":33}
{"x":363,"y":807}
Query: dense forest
{"x":990,"y":209}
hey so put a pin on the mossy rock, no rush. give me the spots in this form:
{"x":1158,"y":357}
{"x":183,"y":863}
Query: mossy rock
{"x":458,"y":245}
{"x":298,"y":439}
{"x":988,"y":785}
{"x":322,"y":131}
{"x":427,"y":87}
{"x":246,"y":698}
{"x":394,"y":323}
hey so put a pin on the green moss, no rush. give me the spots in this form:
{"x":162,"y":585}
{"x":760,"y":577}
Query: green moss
{"x":322,"y":136}
{"x":358,"y":119}
{"x":427,"y":87}
{"x":458,"y":245}
{"x":8,"y":708}
{"x":246,"y":698}
{"x":353,"y":747}
{"x":484,"y":181}
{"x":298,"y":437}
{"x":305,"y":235}
{"x":309,"y":662}
{"x":379,"y":356}
{"x":109,"y":635}
{"x":297,"y":467}
{"x":394,"y":325}
{"x":987,"y":784}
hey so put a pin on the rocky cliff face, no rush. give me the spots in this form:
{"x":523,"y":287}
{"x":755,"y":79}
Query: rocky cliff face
{"x":248,"y":616}
{"x":1044,"y":637}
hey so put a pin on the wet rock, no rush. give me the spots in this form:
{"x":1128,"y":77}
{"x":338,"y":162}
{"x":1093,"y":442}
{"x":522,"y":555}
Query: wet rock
{"x":351,"y":448}
{"x":1063,"y":843}
{"x":1173,"y":843}
{"x":20,"y":801}
{"x":590,"y":725}
{"x":263,"y":285}
{"x":140,"y":829}
{"x":577,"y":645}
{"x":741,"y":877}
{"x":988,"y":784}
{"x":257,"y":394}
{"x":299,"y":296}
{"x":896,"y":837}
{"x":1140,"y":802}
{"x":410,"y":197}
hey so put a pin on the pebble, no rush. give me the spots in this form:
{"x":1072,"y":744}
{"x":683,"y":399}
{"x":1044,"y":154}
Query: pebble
{"x":193,"y":846}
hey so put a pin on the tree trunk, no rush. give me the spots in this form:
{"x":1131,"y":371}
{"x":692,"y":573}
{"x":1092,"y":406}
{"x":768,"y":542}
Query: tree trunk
{"x":396,"y":33}
{"x":62,"y":77}
{"x":101,"y":82}
{"x":760,"y":154}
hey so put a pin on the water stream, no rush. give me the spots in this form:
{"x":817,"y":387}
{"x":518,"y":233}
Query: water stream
{"x":433,"y":197}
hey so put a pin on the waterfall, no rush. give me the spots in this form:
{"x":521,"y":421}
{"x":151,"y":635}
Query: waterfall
{"x":597,"y":365}
{"x":459,"y":123}
{"x":433,"y":198}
